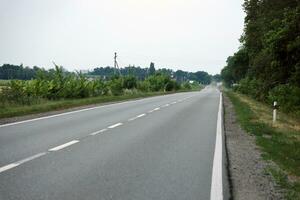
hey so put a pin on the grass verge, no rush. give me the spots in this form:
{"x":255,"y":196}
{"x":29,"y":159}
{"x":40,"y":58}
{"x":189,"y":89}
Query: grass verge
{"x":47,"y":105}
{"x":279,"y":143}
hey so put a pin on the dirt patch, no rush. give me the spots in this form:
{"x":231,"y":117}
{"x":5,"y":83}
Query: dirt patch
{"x":248,"y":171}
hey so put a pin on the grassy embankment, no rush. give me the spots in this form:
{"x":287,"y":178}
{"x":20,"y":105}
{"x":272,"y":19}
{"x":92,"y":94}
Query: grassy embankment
{"x":279,"y":142}
{"x":48,"y":105}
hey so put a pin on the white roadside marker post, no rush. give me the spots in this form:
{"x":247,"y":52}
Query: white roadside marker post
{"x":274,"y":112}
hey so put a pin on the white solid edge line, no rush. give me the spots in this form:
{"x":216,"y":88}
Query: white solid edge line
{"x":115,"y":125}
{"x":216,"y":192}
{"x":97,"y":132}
{"x":13,"y":165}
{"x":64,"y":145}
{"x":81,"y":110}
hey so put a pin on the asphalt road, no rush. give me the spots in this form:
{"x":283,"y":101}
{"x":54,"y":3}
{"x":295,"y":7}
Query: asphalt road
{"x":154,"y":148}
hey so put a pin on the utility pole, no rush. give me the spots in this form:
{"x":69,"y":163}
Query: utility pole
{"x":116,"y":65}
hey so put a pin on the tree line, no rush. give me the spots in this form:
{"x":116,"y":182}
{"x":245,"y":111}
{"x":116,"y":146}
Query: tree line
{"x":267,"y":64}
{"x":19,"y":72}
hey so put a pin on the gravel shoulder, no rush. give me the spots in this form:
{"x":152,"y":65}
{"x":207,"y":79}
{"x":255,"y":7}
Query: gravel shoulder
{"x":248,"y":175}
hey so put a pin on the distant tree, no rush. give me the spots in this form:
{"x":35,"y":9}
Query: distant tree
{"x":217,"y":78}
{"x":151,"y":69}
{"x":8,"y":71}
{"x":202,"y":77}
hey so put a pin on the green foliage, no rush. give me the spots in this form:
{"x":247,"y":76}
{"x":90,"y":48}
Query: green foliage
{"x":187,"y":86}
{"x":161,"y":82}
{"x":129,"y":82}
{"x":58,"y":84}
{"x":287,"y":96}
{"x":115,"y":86}
{"x":269,"y":57}
{"x":151,"y":69}
{"x":237,"y":66}
{"x":252,"y":87}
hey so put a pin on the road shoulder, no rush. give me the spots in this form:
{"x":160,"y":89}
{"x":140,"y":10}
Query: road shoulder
{"x":247,"y":169}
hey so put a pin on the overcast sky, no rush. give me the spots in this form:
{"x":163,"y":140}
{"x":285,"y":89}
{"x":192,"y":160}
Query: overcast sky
{"x":191,"y":35}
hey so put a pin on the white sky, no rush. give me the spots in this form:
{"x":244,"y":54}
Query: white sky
{"x":191,"y":35}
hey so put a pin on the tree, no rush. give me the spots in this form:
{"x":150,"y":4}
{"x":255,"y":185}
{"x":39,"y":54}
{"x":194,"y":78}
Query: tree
{"x":151,"y":69}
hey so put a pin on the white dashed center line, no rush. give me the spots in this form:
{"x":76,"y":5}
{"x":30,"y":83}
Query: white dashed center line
{"x":64,"y":145}
{"x":115,"y":125}
{"x":97,"y":132}
{"x":139,"y":116}
{"x":12,"y":165}
{"x":30,"y":158}
{"x":155,"y":109}
{"x":7,"y":167}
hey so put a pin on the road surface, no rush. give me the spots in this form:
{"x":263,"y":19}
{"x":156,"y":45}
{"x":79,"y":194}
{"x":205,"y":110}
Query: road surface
{"x":154,"y":148}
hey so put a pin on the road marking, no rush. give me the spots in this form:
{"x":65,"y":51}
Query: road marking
{"x":97,"y":132}
{"x":166,"y":105}
{"x":174,"y":102}
{"x":64,"y":145}
{"x":30,"y":158}
{"x":81,"y":110}
{"x":115,"y":125}
{"x":216,"y":190}
{"x":139,"y":116}
{"x":7,"y":167}
{"x":15,"y":164}
{"x":155,"y":109}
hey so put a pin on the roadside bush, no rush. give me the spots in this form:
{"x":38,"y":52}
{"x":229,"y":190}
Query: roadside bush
{"x":143,"y":86}
{"x":115,"y":86}
{"x":287,"y":96}
{"x":253,"y":88}
{"x":187,"y":86}
{"x":160,"y":82}
{"x":129,"y":82}
{"x":59,"y":84}
{"x":172,"y":85}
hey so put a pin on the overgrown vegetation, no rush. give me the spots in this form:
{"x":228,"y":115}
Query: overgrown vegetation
{"x":267,"y":65}
{"x":279,"y":143}
{"x":19,"y":72}
{"x":57,"y":89}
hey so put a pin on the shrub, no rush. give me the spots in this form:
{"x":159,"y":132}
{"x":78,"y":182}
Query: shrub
{"x":287,"y":96}
{"x":129,"y":82}
{"x":252,"y":87}
{"x":187,"y":86}
{"x":115,"y":86}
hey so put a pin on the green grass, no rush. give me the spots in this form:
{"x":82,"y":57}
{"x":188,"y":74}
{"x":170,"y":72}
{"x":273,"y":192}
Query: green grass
{"x":47,"y":105}
{"x":282,"y":146}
